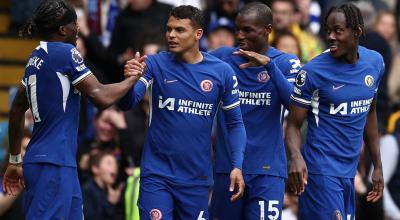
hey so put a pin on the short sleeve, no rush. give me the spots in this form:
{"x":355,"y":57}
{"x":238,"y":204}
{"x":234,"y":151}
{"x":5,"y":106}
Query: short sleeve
{"x":77,"y":66}
{"x":292,"y":66}
{"x":303,"y":90}
{"x":230,"y":97}
{"x":381,"y":65}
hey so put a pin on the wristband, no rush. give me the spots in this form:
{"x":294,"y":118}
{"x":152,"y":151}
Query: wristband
{"x":15,"y":159}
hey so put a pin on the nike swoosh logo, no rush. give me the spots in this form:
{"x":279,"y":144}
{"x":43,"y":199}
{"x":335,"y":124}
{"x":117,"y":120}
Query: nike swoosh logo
{"x":170,"y":81}
{"x":337,"y":87}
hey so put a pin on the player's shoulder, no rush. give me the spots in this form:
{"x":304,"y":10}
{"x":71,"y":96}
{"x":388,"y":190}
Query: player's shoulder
{"x":58,"y":47}
{"x":322,"y":60}
{"x":222,"y":52}
{"x":370,"y":56}
{"x":214,"y":61}
{"x":60,"y":51}
{"x":282,"y":58}
{"x":162,"y":58}
{"x":316,"y":68}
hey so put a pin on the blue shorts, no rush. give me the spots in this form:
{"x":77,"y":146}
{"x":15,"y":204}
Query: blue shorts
{"x":263,"y":198}
{"x":327,"y":197}
{"x":161,"y":199}
{"x":52,"y":192}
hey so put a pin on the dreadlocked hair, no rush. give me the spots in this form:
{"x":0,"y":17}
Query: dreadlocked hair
{"x":354,"y":19}
{"x":47,"y":18}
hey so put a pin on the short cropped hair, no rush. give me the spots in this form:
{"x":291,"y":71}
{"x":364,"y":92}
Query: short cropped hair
{"x":192,"y":13}
{"x":261,"y":10}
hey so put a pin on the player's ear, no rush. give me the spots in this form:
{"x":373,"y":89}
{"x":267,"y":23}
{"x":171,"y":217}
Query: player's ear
{"x":62,"y":30}
{"x":268,"y":28}
{"x":198,"y":33}
{"x":358,"y":32}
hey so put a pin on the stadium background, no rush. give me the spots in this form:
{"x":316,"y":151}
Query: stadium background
{"x":112,"y":30}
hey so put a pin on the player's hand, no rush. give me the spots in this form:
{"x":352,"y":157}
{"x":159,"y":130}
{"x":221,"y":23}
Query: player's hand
{"x":13,"y":181}
{"x":135,"y":66}
{"x":298,"y":175}
{"x":255,"y":59}
{"x":377,"y":186}
{"x":237,"y":184}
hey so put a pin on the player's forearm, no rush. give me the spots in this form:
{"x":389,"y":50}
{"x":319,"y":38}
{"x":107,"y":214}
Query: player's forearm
{"x":133,"y":97}
{"x":17,"y":121}
{"x":237,"y":136}
{"x":284,"y":87}
{"x":293,"y":133}
{"x":371,"y":139}
{"x":106,"y":95}
{"x":293,"y":140}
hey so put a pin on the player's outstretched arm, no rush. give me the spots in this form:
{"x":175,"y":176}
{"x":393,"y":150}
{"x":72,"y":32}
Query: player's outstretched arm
{"x":105,"y":95}
{"x":371,"y":139}
{"x":255,"y":59}
{"x":13,"y":179}
{"x":298,"y":173}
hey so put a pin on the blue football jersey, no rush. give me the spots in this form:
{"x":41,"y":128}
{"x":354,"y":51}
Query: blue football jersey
{"x":50,"y":75}
{"x":338,"y":97}
{"x":262,"y":109}
{"x":184,"y":99}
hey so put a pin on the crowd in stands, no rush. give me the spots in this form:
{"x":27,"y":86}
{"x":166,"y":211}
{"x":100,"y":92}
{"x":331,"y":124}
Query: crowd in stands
{"x":111,"y":141}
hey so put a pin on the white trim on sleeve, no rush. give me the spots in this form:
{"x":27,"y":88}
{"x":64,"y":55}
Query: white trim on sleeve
{"x":76,"y":81}
{"x":300,"y":100}
{"x":146,"y":83}
{"x":231,"y":106}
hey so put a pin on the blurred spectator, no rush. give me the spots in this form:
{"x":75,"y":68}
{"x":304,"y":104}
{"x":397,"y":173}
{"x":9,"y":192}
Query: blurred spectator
{"x":195,"y":3}
{"x":151,"y":42}
{"x":96,"y":56}
{"x":107,"y":123}
{"x":391,"y":170}
{"x":226,"y":9}
{"x":287,"y":17}
{"x":286,"y":41}
{"x":397,"y":14}
{"x":310,"y":14}
{"x":20,"y":12}
{"x":385,"y":25}
{"x":221,"y":33}
{"x":100,"y":198}
{"x":132,"y":195}
{"x":223,"y":8}
{"x":374,"y":41}
{"x":138,"y":16}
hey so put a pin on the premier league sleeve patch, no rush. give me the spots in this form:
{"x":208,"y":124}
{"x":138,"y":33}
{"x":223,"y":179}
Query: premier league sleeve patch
{"x":76,"y":56}
{"x":301,"y":78}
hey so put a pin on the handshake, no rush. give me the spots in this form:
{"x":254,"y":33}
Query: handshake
{"x":135,"y":67}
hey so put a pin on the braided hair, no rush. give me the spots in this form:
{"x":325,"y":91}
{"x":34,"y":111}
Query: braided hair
{"x":354,"y":19}
{"x":47,"y":18}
